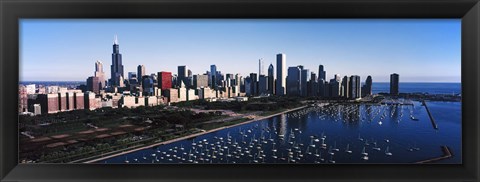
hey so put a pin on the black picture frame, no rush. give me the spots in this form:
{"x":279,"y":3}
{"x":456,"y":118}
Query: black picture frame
{"x":12,"y":11}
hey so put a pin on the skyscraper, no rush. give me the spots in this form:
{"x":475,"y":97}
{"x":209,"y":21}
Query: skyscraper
{"x":394,"y":79}
{"x":313,"y":85}
{"x":367,"y":88}
{"x":354,"y":87}
{"x":263,"y":85}
{"x":321,"y":81}
{"x":140,"y":73}
{"x":304,"y":80}
{"x":93,"y":85}
{"x":132,"y":75}
{"x":294,"y":81}
{"x":100,"y":74}
{"x":200,"y":81}
{"x":213,"y":76}
{"x":281,"y":81}
{"x":322,"y":74}
{"x":254,"y":83}
{"x":117,"y":66}
{"x":346,"y":87}
{"x":164,"y":80}
{"x":248,"y":85}
{"x":271,"y":79}
{"x":260,"y":67}
{"x":182,"y":75}
{"x":147,"y":85}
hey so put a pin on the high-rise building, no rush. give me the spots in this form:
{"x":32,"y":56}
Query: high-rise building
{"x":313,"y":85}
{"x":294,"y":84}
{"x":100,"y":74}
{"x":354,"y":87}
{"x":248,"y":85}
{"x":260,"y":67}
{"x":213,"y":76}
{"x":254,"y":83}
{"x":164,"y":80}
{"x":367,"y":88}
{"x":322,"y":79}
{"x":147,"y":86}
{"x":237,"y":80}
{"x":346,"y":87}
{"x":93,"y":84}
{"x":140,"y":73}
{"x":271,"y":79}
{"x":182,"y":75}
{"x":335,"y":87}
{"x":322,"y":74}
{"x":394,"y":80}
{"x":200,"y":81}
{"x":262,"y":85}
{"x":281,"y":82}
{"x":189,"y":73}
{"x":132,"y":75}
{"x":117,"y":66}
{"x":304,"y":80}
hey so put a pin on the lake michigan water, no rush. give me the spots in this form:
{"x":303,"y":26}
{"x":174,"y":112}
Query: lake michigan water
{"x":336,"y":133}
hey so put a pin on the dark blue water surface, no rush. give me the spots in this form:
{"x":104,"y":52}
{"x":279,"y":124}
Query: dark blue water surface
{"x":296,"y":137}
{"x":431,"y":88}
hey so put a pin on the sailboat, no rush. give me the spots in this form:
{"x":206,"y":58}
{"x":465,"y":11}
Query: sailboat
{"x":359,"y":138}
{"x":330,"y":151}
{"x":363,"y":152}
{"x":347,"y":150}
{"x":365,"y":157}
{"x":331,"y":159}
{"x":335,"y":146}
{"x":324,"y":145}
{"x":375,"y":147}
{"x":387,"y":152}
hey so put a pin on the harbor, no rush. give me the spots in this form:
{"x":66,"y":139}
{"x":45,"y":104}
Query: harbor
{"x":333,"y":133}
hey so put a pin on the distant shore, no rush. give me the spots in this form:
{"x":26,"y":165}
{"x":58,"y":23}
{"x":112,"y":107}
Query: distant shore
{"x":192,"y":135}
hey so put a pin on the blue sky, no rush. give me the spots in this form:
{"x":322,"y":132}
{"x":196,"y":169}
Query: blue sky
{"x":425,"y":50}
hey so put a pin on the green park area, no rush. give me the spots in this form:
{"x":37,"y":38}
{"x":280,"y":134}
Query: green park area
{"x":74,"y":136}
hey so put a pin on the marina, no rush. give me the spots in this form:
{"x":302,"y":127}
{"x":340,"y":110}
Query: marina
{"x":333,"y":133}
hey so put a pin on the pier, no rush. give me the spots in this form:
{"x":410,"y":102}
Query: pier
{"x":446,"y":154}
{"x":434,"y":124}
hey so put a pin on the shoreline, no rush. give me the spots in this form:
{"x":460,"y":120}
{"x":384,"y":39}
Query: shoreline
{"x":191,"y":136}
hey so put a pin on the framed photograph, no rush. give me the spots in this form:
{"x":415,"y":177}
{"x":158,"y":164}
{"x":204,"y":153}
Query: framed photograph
{"x":241,"y":91}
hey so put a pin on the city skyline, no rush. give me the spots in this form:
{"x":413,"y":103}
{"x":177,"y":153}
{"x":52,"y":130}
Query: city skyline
{"x":136,"y":51}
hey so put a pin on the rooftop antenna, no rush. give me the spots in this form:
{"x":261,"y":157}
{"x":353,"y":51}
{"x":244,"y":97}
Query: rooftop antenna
{"x":115,"y":40}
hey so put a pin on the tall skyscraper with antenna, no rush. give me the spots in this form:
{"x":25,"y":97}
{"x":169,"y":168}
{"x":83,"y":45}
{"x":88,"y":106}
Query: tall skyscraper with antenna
{"x":117,"y":66}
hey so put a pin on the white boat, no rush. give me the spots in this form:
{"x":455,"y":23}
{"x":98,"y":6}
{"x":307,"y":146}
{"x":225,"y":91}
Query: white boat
{"x":365,"y":157}
{"x":375,"y":147}
{"x":387,"y":152}
{"x":335,"y":146}
{"x":363,"y":151}
{"x":347,"y":150}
